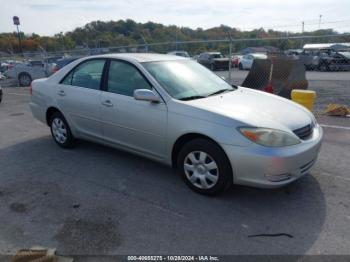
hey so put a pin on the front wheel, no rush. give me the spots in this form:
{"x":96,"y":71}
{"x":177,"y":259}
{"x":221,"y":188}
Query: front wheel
{"x":60,"y":131}
{"x":24,"y":79}
{"x":204,"y":167}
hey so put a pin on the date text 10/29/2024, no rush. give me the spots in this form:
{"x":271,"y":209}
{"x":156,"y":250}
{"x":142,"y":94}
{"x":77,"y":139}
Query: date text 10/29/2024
{"x":173,"y":258}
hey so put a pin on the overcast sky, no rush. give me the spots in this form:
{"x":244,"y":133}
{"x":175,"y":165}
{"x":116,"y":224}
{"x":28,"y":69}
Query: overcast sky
{"x":47,"y":17}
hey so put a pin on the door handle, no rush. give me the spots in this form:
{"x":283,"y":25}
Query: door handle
{"x":61,"y":93}
{"x":107,"y":103}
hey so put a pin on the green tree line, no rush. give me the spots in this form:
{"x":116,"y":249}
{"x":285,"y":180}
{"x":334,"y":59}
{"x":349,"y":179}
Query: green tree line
{"x":98,"y":34}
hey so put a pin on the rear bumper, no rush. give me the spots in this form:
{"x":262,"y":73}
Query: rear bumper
{"x":222,"y":65}
{"x":38,"y":112}
{"x":265,"y":167}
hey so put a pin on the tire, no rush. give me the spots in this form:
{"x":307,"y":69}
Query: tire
{"x":24,"y":79}
{"x":204,"y":167}
{"x":0,"y":94}
{"x":323,"y":67}
{"x":212,"y":67}
{"x":60,"y":131}
{"x":240,"y":66}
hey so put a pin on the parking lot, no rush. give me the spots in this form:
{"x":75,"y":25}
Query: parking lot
{"x":331,"y":87}
{"x":94,"y":200}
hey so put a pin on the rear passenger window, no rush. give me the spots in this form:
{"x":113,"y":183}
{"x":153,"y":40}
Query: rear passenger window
{"x":124,"y":78}
{"x":86,"y":75}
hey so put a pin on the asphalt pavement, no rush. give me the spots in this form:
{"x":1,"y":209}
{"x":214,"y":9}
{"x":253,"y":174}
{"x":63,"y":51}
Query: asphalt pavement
{"x":96,"y":200}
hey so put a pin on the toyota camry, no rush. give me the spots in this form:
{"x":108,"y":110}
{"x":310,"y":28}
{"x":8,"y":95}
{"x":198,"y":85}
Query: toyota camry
{"x":176,"y":111}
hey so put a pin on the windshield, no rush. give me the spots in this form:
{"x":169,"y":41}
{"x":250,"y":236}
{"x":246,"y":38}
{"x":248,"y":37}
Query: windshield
{"x":346,"y":54}
{"x":185,"y":79}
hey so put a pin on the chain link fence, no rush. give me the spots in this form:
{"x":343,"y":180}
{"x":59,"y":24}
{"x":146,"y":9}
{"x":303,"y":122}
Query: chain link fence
{"x":319,"y":63}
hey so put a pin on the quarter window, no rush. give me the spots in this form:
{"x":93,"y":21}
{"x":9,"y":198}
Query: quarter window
{"x":124,"y":78}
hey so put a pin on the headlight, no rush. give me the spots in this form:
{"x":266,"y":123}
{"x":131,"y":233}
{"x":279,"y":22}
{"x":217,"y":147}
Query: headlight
{"x":269,"y":137}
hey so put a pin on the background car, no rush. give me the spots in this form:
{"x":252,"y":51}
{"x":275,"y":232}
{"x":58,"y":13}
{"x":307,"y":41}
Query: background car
{"x":246,"y":62}
{"x":214,"y":60}
{"x":63,"y":62}
{"x":27,"y":71}
{"x":334,"y":61}
{"x":235,"y":60}
{"x":310,"y":59}
{"x":179,"y":53}
{"x":2,"y":77}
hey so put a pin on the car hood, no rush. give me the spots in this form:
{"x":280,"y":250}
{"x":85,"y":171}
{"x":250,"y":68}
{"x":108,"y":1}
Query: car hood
{"x":256,"y":108}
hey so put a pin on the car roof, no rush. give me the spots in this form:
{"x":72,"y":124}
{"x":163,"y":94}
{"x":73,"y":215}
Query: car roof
{"x":142,"y":57}
{"x":258,"y":55}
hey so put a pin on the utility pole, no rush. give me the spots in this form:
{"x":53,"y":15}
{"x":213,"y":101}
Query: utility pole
{"x":16,"y":23}
{"x":302,"y":27}
{"x":319,"y":22}
{"x":176,"y":38}
{"x":230,"y":57}
{"x":146,"y":44}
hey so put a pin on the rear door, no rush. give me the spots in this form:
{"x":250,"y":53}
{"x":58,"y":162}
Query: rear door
{"x":78,"y":97}
{"x":134,"y":124}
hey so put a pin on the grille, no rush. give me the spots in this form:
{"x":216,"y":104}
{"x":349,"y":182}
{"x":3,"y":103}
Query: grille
{"x":304,"y":132}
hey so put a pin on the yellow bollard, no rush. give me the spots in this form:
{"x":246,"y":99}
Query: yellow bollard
{"x":304,"y":97}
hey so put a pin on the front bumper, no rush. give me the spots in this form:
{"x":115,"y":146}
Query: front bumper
{"x":256,"y":165}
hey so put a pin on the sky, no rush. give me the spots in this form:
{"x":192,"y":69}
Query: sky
{"x":48,"y":17}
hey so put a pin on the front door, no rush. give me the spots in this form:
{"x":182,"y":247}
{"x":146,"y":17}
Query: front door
{"x":133,"y":124}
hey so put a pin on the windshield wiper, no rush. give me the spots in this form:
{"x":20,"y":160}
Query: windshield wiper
{"x":220,"y":91}
{"x":191,"y":98}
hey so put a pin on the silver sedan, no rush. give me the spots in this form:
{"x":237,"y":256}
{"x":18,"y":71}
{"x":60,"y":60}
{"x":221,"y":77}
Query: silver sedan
{"x":175,"y":111}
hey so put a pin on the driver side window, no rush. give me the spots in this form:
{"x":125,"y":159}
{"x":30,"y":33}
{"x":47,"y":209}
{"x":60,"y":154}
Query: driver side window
{"x":124,"y":78}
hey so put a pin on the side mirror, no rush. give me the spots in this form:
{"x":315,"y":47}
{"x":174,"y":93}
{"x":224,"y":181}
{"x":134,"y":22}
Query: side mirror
{"x":146,"y":95}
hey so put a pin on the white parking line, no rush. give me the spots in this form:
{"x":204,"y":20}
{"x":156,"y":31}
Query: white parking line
{"x":17,"y":94}
{"x":337,"y":127}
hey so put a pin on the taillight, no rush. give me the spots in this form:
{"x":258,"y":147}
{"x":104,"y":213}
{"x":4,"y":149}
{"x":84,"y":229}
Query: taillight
{"x":30,"y":89}
{"x":268,"y":89}
{"x":55,"y":69}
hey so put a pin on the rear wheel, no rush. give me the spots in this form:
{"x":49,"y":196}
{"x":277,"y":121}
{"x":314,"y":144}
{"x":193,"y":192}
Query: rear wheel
{"x":323,"y":67}
{"x":60,"y":131}
{"x":204,"y":167}
{"x":24,"y":79}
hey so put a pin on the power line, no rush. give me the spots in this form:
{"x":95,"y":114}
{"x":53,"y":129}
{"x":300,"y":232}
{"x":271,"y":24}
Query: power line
{"x":297,"y":25}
